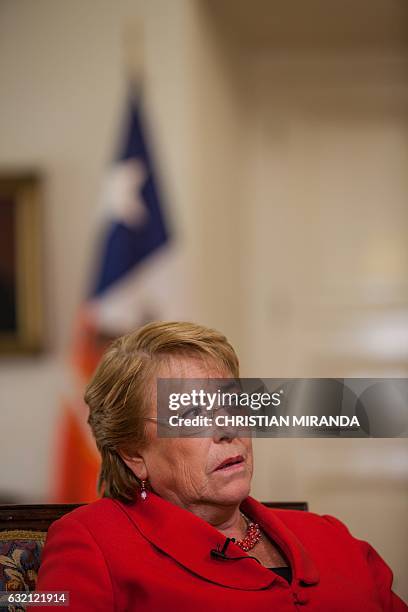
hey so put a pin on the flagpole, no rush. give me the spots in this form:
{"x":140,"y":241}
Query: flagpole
{"x":133,"y":53}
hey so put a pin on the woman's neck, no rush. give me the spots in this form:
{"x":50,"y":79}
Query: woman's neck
{"x":228,"y":520}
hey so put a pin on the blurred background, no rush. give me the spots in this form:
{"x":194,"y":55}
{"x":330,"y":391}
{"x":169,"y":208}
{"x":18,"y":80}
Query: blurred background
{"x":278,"y":138}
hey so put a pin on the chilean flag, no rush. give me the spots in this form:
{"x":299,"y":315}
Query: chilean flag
{"x":132,"y":281}
{"x":136,"y":226}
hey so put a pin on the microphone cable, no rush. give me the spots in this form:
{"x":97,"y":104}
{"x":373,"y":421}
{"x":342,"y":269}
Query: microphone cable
{"x":216,"y":553}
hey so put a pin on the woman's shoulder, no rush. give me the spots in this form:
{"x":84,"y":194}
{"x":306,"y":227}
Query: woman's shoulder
{"x":301,"y":518}
{"x":97,"y":515}
{"x":291,"y":517}
{"x":308,"y":525}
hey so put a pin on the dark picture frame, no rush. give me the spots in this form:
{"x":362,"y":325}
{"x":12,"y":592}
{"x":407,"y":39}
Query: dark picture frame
{"x":21,"y":308}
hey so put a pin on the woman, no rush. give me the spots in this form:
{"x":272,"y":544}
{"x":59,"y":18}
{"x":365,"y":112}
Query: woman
{"x":161,"y":537}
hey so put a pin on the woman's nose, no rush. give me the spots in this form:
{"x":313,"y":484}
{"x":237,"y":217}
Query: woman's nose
{"x":224,"y":431}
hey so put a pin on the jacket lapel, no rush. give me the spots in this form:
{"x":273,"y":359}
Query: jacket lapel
{"x":303,"y":566}
{"x":189,"y":540}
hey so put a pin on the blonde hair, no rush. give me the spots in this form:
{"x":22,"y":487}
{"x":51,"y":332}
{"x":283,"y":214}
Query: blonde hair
{"x":116,"y":394}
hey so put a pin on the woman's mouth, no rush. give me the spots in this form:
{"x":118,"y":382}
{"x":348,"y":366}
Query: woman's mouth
{"x":230,"y":464}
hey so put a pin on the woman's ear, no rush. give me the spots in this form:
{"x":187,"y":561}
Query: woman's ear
{"x":135,"y":463}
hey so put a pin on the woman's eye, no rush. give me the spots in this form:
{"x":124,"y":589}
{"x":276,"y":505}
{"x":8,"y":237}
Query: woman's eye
{"x":192,"y":412}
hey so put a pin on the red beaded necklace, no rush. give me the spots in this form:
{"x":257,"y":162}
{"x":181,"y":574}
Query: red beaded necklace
{"x":252,"y":536}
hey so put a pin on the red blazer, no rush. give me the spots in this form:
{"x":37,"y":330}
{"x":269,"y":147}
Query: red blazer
{"x":153,"y":556}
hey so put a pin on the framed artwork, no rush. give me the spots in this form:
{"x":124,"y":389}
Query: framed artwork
{"x":21,"y":312}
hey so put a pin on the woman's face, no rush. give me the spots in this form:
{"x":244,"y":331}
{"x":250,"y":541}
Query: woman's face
{"x":184,"y":470}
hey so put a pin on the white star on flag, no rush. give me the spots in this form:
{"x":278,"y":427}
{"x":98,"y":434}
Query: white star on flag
{"x":122,"y":194}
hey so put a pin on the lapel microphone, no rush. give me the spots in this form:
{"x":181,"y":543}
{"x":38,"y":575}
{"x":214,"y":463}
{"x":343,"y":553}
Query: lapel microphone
{"x":216,"y":553}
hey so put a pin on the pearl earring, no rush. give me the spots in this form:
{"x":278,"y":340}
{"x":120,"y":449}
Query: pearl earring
{"x":143,"y":492}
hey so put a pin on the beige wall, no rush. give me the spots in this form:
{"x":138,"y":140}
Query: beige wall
{"x":326,"y":268}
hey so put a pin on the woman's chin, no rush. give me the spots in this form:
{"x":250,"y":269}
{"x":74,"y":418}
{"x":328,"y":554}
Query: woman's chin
{"x":234,"y":493}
